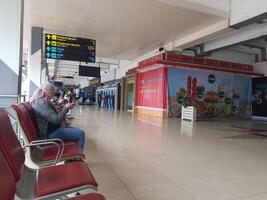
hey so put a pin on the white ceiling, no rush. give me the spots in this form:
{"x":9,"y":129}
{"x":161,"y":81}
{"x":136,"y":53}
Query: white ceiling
{"x":124,"y":29}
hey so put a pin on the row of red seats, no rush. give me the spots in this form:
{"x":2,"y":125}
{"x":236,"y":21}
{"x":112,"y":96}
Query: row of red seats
{"x":54,"y":180}
{"x":70,"y":149}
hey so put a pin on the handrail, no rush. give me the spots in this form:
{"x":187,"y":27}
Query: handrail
{"x":19,"y":97}
{"x":9,"y":95}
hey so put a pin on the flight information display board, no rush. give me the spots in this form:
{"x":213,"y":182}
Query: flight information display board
{"x":70,"y":48}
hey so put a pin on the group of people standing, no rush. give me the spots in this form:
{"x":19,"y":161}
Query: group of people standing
{"x":106,"y":99}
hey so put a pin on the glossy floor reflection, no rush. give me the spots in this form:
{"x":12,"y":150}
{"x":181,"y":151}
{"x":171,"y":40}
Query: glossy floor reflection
{"x":145,"y":158}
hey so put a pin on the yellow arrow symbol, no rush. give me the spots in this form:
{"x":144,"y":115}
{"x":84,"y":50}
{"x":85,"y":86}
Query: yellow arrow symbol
{"x":48,"y":36}
{"x":48,"y":42}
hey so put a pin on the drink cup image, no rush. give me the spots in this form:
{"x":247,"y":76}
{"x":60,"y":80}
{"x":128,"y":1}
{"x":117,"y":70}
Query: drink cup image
{"x":259,"y":101}
{"x":255,"y":97}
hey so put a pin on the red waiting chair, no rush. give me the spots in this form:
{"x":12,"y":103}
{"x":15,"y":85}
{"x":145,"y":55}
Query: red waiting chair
{"x":91,"y":196}
{"x":8,"y":184}
{"x":47,"y":151}
{"x":49,"y":183}
{"x":7,"y":180}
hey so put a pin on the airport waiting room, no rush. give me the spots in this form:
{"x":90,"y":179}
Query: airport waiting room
{"x":133,"y":100}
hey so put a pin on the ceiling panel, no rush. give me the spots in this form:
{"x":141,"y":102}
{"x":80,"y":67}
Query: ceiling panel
{"x":124,"y":29}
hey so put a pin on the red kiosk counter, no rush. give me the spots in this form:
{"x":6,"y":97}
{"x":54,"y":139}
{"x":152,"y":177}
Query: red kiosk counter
{"x":166,"y":82}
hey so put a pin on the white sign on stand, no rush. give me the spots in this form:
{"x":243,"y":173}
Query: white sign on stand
{"x":189,"y":113}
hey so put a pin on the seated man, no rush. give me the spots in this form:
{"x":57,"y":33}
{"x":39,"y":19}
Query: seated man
{"x":50,"y":120}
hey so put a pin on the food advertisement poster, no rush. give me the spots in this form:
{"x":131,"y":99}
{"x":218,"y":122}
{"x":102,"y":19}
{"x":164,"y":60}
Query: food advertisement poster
{"x":212,"y":93}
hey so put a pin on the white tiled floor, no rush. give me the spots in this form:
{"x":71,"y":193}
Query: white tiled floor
{"x":144,"y":158}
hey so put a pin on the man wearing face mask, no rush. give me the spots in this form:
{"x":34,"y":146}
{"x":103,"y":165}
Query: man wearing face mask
{"x":50,"y":120}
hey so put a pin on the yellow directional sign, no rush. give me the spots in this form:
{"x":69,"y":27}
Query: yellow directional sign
{"x":70,"y":48}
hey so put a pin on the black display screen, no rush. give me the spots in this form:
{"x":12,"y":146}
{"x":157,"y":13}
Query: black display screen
{"x":259,"y":97}
{"x":59,"y":84}
{"x":70,"y":48}
{"x":89,"y":71}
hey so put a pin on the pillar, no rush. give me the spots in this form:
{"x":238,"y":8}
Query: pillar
{"x":11,"y":30}
{"x":35,"y":62}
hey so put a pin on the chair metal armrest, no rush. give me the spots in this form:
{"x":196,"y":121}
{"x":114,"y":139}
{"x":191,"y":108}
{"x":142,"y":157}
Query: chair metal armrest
{"x":48,"y":140}
{"x":52,"y":140}
{"x":58,"y":157}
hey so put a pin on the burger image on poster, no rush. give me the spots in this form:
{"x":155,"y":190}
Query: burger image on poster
{"x":200,"y":92}
{"x":180,"y":95}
